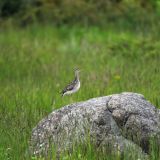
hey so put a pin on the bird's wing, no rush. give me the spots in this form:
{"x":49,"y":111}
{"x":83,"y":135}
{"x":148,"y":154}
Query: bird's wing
{"x":69,"y":87}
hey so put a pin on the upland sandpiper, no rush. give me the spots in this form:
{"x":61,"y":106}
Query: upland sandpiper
{"x":73,"y":86}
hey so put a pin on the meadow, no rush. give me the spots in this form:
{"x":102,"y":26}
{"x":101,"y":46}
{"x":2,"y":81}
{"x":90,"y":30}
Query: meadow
{"x":36,"y":62}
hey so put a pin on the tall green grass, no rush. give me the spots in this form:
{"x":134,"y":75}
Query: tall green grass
{"x":38,"y":61}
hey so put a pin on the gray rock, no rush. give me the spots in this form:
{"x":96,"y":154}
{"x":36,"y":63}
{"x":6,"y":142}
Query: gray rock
{"x":136,"y":117}
{"x":119,"y":121}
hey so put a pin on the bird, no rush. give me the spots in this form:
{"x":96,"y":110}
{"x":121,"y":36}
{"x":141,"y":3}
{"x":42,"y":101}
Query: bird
{"x":74,"y":86}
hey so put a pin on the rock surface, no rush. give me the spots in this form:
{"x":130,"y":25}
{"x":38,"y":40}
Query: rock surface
{"x":120,"y":121}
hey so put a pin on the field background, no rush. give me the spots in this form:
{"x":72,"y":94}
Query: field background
{"x":117,"y":51}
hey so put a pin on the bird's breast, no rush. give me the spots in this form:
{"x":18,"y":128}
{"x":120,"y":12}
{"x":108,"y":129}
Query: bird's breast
{"x":78,"y":85}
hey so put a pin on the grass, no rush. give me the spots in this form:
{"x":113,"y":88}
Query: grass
{"x":38,"y":61}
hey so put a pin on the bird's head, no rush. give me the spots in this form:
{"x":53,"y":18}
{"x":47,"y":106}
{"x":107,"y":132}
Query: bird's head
{"x":76,"y":70}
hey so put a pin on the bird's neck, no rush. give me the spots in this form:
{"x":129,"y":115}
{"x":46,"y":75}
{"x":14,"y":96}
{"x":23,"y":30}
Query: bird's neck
{"x":77,"y":76}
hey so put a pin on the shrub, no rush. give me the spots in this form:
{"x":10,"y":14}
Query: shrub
{"x":70,"y":11}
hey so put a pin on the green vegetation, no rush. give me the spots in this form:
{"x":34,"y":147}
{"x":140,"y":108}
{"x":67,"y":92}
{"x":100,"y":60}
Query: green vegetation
{"x":88,"y":12}
{"x":38,"y":61}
